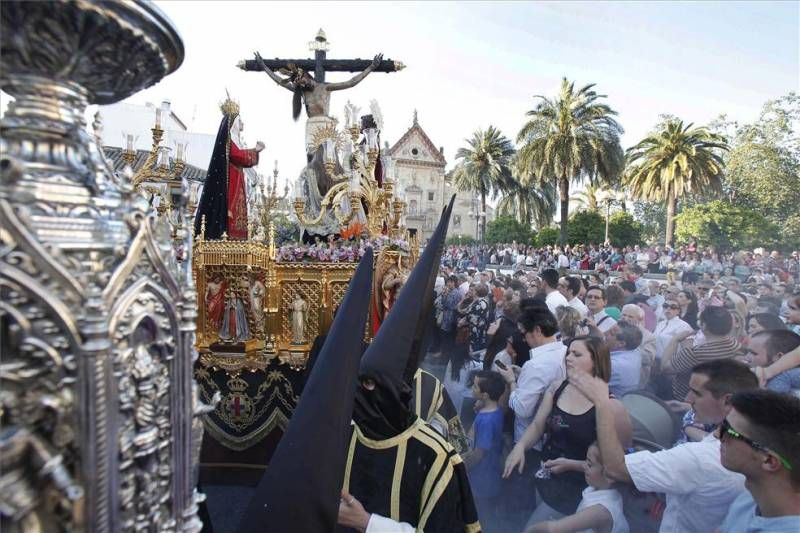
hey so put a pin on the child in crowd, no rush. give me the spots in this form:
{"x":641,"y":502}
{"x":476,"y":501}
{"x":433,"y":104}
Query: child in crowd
{"x":484,"y":461}
{"x":600,"y":509}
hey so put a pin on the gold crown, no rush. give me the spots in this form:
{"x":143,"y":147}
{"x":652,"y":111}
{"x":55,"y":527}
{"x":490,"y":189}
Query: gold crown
{"x":229,"y":107}
{"x":237,"y":384}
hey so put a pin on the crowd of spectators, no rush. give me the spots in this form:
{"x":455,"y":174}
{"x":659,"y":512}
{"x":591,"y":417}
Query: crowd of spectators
{"x":684,"y":261}
{"x":549,"y":362}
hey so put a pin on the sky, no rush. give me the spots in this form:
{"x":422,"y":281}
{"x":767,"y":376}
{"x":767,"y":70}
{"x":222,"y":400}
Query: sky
{"x":475,"y":64}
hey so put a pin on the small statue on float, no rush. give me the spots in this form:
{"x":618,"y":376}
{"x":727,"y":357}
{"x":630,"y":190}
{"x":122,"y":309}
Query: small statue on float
{"x":299,"y":310}
{"x":223,"y":203}
{"x":234,"y":320}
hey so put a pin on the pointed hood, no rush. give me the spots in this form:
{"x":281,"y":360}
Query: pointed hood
{"x":300,"y":489}
{"x":383,"y":411}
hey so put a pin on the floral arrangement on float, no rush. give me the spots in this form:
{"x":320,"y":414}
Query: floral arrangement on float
{"x":349,"y":248}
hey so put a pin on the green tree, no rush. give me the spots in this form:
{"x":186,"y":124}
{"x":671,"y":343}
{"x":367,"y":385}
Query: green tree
{"x":485,"y":166}
{"x":547,"y":236}
{"x":624,"y":230}
{"x":676,"y":161}
{"x":653,"y":218}
{"x":458,"y":240}
{"x":505,"y":229}
{"x":763,"y":166}
{"x":586,"y":227}
{"x":725,"y":226}
{"x":587,"y":198}
{"x":531,"y":205}
{"x":570,"y":138}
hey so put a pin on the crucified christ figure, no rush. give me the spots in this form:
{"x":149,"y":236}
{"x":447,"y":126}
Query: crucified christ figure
{"x":315,"y":94}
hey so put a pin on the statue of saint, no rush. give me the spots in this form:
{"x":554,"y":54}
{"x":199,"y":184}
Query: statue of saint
{"x":215,"y":302}
{"x":299,"y":308}
{"x":234,"y":321}
{"x":223,"y":202}
{"x":257,"y":292}
{"x":386,"y":285}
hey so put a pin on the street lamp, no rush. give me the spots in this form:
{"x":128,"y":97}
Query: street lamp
{"x":609,"y":197}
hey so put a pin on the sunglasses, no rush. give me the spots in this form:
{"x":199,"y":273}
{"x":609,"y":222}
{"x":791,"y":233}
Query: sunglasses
{"x":726,"y":431}
{"x":670,"y":306}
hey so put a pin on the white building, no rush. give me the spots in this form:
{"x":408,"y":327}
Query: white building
{"x":418,"y":167}
{"x":121,"y":119}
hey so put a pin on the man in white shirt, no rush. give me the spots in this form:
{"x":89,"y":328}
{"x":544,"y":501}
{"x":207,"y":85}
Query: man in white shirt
{"x":699,"y":489}
{"x":545,"y":366}
{"x":570,"y":288}
{"x":670,"y":326}
{"x":554,"y":298}
{"x":527,"y":386}
{"x":642,"y":257}
{"x":596,"y":304}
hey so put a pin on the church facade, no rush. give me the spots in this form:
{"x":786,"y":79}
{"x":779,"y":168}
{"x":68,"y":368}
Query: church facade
{"x":418,"y":168}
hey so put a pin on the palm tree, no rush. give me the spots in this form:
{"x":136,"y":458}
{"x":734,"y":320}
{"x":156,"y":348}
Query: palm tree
{"x":533,"y":206}
{"x":587,"y":198}
{"x":675,"y":161}
{"x":485,"y":166}
{"x":568,"y":138}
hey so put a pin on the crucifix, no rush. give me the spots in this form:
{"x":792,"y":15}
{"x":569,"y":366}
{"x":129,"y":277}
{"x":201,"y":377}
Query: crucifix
{"x":313,"y":90}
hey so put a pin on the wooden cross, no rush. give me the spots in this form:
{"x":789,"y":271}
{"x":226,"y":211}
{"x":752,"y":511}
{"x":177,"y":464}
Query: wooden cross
{"x":321,"y":64}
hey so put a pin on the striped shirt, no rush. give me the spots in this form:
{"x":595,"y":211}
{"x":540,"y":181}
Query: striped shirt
{"x":688,"y":357}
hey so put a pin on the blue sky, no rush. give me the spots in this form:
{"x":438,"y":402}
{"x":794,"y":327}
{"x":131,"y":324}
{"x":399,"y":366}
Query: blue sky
{"x":471,"y":64}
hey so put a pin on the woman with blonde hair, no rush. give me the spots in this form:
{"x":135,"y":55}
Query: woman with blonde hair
{"x":738,"y":308}
{"x":569,"y":322}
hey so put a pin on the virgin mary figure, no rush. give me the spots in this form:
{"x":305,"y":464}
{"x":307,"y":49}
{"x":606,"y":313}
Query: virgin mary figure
{"x":224,"y":199}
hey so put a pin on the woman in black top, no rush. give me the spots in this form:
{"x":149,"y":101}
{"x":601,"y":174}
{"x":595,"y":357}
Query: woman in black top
{"x":566,"y":419}
{"x":688,"y":303}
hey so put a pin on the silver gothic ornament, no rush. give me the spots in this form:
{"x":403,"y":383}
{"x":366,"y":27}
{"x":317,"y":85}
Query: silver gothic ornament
{"x":97,"y":314}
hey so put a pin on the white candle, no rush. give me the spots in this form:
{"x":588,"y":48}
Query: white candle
{"x":129,"y":142}
{"x":158,"y":118}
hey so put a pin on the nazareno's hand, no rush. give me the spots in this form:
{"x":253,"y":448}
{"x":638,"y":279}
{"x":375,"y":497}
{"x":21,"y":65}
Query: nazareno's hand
{"x":352,"y":513}
{"x":377,"y":60}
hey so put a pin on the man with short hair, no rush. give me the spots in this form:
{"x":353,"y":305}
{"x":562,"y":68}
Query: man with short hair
{"x":633,"y":314}
{"x":596,"y":303}
{"x":545,"y":366}
{"x":527,"y":387}
{"x":554,"y":299}
{"x":716,"y":324}
{"x":623,"y":341}
{"x":628,"y":289}
{"x":760,"y":438}
{"x":699,"y":489}
{"x":570,"y":288}
{"x":768,"y":346}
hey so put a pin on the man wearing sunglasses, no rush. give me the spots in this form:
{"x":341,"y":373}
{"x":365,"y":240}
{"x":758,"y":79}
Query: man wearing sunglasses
{"x":760,"y":438}
{"x":699,"y":489}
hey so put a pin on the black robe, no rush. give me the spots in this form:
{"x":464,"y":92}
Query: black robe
{"x":432,"y":404}
{"x":415,"y":477}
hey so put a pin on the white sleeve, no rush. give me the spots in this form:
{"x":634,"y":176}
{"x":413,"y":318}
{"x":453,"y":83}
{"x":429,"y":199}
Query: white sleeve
{"x":381,"y":524}
{"x":672,"y":471}
{"x":533,"y":381}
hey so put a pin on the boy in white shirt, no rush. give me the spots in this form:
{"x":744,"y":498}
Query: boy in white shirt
{"x":601,"y":506}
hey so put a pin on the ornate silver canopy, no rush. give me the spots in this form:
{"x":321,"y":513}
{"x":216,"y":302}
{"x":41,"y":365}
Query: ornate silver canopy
{"x":97,"y":316}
